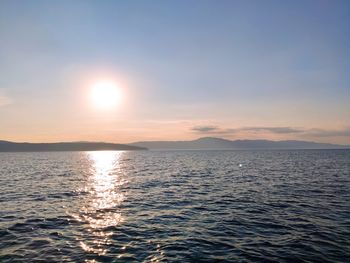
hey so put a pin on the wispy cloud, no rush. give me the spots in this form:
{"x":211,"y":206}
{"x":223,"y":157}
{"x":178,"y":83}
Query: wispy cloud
{"x":278,"y":130}
{"x":329,"y":133}
{"x":211,"y":129}
{"x":215,"y":129}
{"x":205,"y":129}
{"x":4,"y":100}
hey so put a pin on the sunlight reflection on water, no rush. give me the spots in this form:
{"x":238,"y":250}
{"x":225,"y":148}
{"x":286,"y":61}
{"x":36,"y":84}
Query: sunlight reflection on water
{"x":105,"y":180}
{"x":100,"y":207}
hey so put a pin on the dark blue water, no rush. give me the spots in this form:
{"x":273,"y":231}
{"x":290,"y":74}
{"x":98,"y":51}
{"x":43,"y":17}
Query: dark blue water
{"x":181,"y":206}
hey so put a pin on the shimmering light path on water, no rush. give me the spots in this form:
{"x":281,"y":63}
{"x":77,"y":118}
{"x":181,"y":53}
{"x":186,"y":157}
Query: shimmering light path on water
{"x":180,"y":206}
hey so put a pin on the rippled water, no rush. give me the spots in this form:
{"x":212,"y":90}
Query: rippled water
{"x":190,"y":206}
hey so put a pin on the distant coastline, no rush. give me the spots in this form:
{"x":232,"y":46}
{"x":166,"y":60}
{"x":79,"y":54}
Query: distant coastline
{"x":6,"y":146}
{"x":212,"y":143}
{"x":205,"y":143}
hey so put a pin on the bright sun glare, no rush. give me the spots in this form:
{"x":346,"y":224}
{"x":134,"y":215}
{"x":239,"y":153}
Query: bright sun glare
{"x":105,"y":95}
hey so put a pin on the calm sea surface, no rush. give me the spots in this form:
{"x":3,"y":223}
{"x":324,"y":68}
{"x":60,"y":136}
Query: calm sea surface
{"x":179,"y":206}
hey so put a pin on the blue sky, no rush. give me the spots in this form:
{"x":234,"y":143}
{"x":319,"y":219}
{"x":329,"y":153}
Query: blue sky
{"x":238,"y":66}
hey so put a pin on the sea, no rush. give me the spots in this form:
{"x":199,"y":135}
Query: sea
{"x":175,"y":206}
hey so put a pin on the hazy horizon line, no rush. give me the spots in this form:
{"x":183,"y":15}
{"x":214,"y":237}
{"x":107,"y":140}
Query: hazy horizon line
{"x":157,"y":140}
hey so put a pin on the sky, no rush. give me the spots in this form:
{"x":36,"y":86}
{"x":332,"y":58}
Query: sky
{"x":185,"y":69}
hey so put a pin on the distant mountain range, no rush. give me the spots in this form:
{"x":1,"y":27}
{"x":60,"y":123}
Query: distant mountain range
{"x":6,"y":146}
{"x":218,"y":143}
{"x":206,"y":143}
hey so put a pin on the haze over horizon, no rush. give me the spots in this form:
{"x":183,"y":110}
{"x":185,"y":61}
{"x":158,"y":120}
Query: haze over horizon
{"x":176,"y":70}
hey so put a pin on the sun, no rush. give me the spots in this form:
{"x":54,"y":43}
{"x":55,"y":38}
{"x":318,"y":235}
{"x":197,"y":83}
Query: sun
{"x":105,"y":94}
